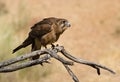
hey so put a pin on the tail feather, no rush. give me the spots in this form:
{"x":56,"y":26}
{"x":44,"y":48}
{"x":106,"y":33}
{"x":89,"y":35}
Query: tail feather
{"x":27,"y":42}
{"x":16,"y":49}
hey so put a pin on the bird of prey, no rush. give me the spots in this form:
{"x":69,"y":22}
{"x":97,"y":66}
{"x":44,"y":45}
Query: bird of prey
{"x":43,"y":33}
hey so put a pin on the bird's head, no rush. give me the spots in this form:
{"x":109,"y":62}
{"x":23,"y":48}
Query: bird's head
{"x":63,"y":24}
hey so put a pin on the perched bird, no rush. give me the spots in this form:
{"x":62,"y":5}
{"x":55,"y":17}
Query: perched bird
{"x":43,"y":33}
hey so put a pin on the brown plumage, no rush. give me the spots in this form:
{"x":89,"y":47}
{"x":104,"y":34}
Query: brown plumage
{"x":44,"y":32}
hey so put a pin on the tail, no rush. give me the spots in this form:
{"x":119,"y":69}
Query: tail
{"x":27,"y":42}
{"x":16,"y":49}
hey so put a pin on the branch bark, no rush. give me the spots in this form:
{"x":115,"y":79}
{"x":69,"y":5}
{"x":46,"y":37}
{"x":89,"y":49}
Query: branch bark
{"x":12,"y":68}
{"x":92,"y":64}
{"x":10,"y":65}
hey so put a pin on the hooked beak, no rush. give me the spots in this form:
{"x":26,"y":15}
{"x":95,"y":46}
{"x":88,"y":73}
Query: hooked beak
{"x":68,"y":24}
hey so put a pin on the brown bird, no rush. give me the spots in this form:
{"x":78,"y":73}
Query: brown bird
{"x":43,"y":33}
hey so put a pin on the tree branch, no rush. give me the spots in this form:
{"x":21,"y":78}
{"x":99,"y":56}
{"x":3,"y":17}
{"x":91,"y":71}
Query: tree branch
{"x":10,"y":65}
{"x":71,"y":73}
{"x":92,"y":64}
{"x":24,"y":65}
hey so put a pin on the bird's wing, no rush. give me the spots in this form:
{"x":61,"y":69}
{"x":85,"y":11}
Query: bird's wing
{"x":49,"y":21}
{"x":43,"y":27}
{"x":39,"y":30}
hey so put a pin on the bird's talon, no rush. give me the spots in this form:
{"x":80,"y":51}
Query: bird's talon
{"x":53,"y":46}
{"x":57,"y":45}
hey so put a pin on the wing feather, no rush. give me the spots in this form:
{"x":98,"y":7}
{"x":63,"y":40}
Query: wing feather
{"x":37,"y":31}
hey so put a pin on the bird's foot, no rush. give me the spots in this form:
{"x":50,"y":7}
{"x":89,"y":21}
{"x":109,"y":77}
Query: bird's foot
{"x":52,"y":45}
{"x":57,"y":44}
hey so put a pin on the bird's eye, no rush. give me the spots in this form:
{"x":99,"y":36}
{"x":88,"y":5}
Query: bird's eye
{"x":63,"y":21}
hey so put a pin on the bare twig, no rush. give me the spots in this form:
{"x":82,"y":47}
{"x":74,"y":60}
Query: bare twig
{"x":92,"y":64}
{"x":10,"y":65}
{"x":71,"y":73}
{"x":54,"y":55}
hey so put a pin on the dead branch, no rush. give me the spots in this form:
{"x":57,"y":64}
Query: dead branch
{"x":92,"y":64}
{"x":71,"y":73}
{"x":10,"y":65}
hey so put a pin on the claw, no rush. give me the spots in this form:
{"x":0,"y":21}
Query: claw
{"x":57,"y":45}
{"x":53,"y":46}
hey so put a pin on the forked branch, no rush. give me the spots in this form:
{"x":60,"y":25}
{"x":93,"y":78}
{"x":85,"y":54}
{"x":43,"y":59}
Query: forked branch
{"x":10,"y":65}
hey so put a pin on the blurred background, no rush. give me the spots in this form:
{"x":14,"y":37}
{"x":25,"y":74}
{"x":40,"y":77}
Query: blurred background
{"x":94,"y":36}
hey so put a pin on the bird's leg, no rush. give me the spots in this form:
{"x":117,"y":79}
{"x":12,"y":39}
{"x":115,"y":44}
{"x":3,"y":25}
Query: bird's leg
{"x":45,"y":47}
{"x":52,"y":46}
{"x":57,"y":44}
